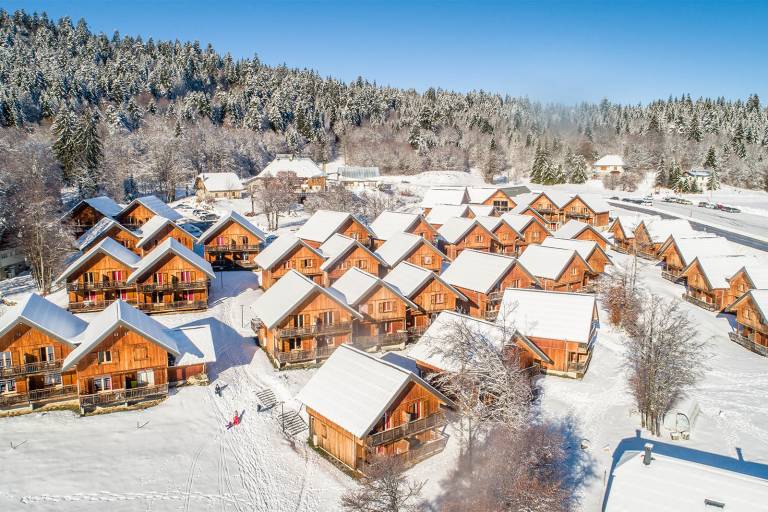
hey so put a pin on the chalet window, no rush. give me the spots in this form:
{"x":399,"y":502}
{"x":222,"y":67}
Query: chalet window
{"x":287,"y":265}
{"x":117,"y":275}
{"x":413,"y":411}
{"x":741,"y":287}
{"x":514,"y":284}
{"x":89,"y":277}
{"x":157,"y":297}
{"x":5,"y":359}
{"x":386,"y":306}
{"x":140,"y":353}
{"x":426,"y":260}
{"x":188,"y":296}
{"x":90,"y":296}
{"x":244,"y":240}
{"x":327,"y":317}
{"x":146,"y":377}
{"x":102,"y":384}
{"x":500,"y":203}
{"x":361,"y":264}
{"x":186,"y":276}
{"x":220,"y":240}
{"x":123,"y":294}
{"x":478,"y":238}
{"x":386,"y":327}
{"x":574,"y":271}
{"x":307,"y":263}
{"x":294,"y":343}
{"x":535,"y":235}
{"x":438,"y":298}
{"x":344,"y":264}
{"x":298,"y":320}
{"x":47,"y":354}
{"x":748,"y":314}
{"x":159,"y":278}
{"x":323,"y":430}
{"x":7,"y":386}
{"x":52,"y":379}
{"x":505,"y":236}
{"x":105,"y":356}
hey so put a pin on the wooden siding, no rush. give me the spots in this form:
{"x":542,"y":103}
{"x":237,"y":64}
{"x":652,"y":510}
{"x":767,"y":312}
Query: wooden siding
{"x":25,"y":343}
{"x":508,"y":238}
{"x":83,"y":218}
{"x":231,"y":234}
{"x":480,"y":303}
{"x":739,"y":285}
{"x":101,"y":267}
{"x":137,"y":215}
{"x":426,"y":256}
{"x":168,"y":231}
{"x":534,"y":233}
{"x":577,"y":209}
{"x":500,"y":201}
{"x":750,"y":322}
{"x":358,"y":257}
{"x":624,"y":243}
{"x":591,"y":236}
{"x":572,"y":279}
{"x":698,"y":288}
{"x":295,"y":259}
{"x":477,"y":238}
{"x":375,"y":320}
{"x":172,"y":266}
{"x":428,"y":299}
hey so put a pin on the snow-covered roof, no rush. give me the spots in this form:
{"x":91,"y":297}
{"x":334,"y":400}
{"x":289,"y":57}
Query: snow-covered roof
{"x":585,"y":248}
{"x":156,"y":206}
{"x":481,"y":209}
{"x":120,"y":313}
{"x":400,"y":246}
{"x":231,"y":216}
{"x":444,"y":195}
{"x":718,"y":269}
{"x":356,"y":285}
{"x":102,"y":204}
{"x":698,"y":173}
{"x":40,"y":313}
{"x":106,"y":246}
{"x":519,"y":222}
{"x":523,"y":200}
{"x":757,"y":273}
{"x":152,"y":227}
{"x":220,"y":181}
{"x":661,"y":229}
{"x":478,"y":271}
{"x":195,"y":344}
{"x":574,"y":228}
{"x":279,"y":248}
{"x":701,"y":244}
{"x":324,"y":223}
{"x":354,"y":389}
{"x":759,"y":299}
{"x":301,"y":166}
{"x":671,"y":484}
{"x":338,"y":246}
{"x":455,"y":228}
{"x":531,"y":313}
{"x":616,"y":160}
{"x":489,"y":223}
{"x":442,"y":212}
{"x":547,"y":262}
{"x":408,"y":279}
{"x":286,"y":294}
{"x":628,"y":223}
{"x":557,"y":198}
{"x":351,"y":172}
{"x":168,"y":246}
{"x":479,"y":195}
{"x":390,"y":223}
{"x":98,"y":229}
{"x":595,"y":202}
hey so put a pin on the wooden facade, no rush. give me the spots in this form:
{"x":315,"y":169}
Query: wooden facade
{"x":170,"y":230}
{"x":172,"y":284}
{"x":643,"y":244}
{"x":620,"y":241}
{"x":592,"y":235}
{"x":420,"y":228}
{"x":500,"y":201}
{"x":82,"y":218}
{"x":351,"y":228}
{"x":547,"y":208}
{"x":751,"y":324}
{"x":357,"y":257}
{"x":384,"y":316}
{"x":432,"y":298}
{"x":534,"y":233}
{"x":124,"y":237}
{"x":98,"y":283}
{"x":478,"y":238}
{"x":232,"y":247}
{"x":740,"y":284}
{"x":135,"y":216}
{"x":427,"y":256}
{"x":301,"y":258}
{"x":573,"y":277}
{"x":671,"y":259}
{"x":698,"y":289}
{"x":579,"y":210}
{"x":486,"y":305}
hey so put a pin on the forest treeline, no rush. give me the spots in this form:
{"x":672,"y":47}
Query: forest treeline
{"x":122,"y":115}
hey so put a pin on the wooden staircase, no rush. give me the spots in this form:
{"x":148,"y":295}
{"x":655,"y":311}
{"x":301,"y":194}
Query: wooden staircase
{"x":292,"y":423}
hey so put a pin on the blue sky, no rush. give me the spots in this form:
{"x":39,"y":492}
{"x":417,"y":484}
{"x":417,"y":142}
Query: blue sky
{"x":568,"y":51}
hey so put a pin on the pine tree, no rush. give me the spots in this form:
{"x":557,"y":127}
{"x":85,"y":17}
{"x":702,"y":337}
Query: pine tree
{"x":710,"y":162}
{"x":675,"y":175}
{"x":63,"y":129}
{"x":576,"y":168}
{"x":694,"y":131}
{"x":541,"y":164}
{"x":662,"y":174}
{"x":88,"y":153}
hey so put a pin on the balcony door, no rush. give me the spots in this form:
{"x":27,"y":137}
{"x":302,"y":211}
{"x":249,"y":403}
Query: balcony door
{"x":5,"y":359}
{"x":102,"y":383}
{"x":47,"y":354}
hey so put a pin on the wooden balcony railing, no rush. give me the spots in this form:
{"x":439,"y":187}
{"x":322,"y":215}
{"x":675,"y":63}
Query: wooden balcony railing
{"x":748,"y":343}
{"x":380,"y":340}
{"x":491,"y":314}
{"x":37,"y":395}
{"x":671,"y":275}
{"x":254,"y":248}
{"x":422,"y":452}
{"x":198,"y":284}
{"x":406,"y":429}
{"x":123,"y":395}
{"x":95,"y":305}
{"x":303,"y":356}
{"x":709,"y":306}
{"x":98,"y":285}
{"x":314,"y":330}
{"x":30,"y":368}
{"x":181,"y":305}
{"x":577,"y":215}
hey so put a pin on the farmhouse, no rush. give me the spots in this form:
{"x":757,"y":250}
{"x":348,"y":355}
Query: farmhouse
{"x":590,"y":209}
{"x":608,"y":165}
{"x":232,"y":242}
{"x":750,"y":277}
{"x":219,"y":185}
{"x":108,"y":228}
{"x":325,"y":223}
{"x":411,"y":248}
{"x":679,"y":251}
{"x":557,"y":269}
{"x":576,"y":230}
{"x":171,"y":278}
{"x":751,"y":321}
{"x":100,"y":276}
{"x":707,"y":280}
{"x":591,"y":251}
{"x":361,"y":406}
{"x":312,"y":178}
{"x":460,"y":233}
{"x":482,"y":277}
{"x":651,"y":234}
{"x":388,"y":224}
{"x":427,"y":290}
{"x":530,"y":227}
{"x":85,"y":214}
{"x":343,"y":253}
{"x":567,"y":337}
{"x":289,"y":253}
{"x":141,"y":209}
{"x":298,"y":321}
{"x":507,"y":237}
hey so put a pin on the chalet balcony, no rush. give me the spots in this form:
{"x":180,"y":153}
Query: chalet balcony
{"x":406,"y":430}
{"x":118,"y":396}
{"x":198,"y":284}
{"x":254,"y":248}
{"x":547,"y":211}
{"x":380,"y":340}
{"x":315,"y":330}
{"x":578,"y":215}
{"x":748,"y":343}
{"x":37,"y":396}
{"x":98,"y":285}
{"x":671,"y":275}
{"x":93,"y":305}
{"x":709,"y":306}
{"x":303,"y":356}
{"x":30,"y":369}
{"x":491,"y":314}
{"x":415,"y":455}
{"x":166,"y":307}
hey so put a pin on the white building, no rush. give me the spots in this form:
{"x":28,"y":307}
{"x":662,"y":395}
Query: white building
{"x":698,"y":176}
{"x":607,"y":165}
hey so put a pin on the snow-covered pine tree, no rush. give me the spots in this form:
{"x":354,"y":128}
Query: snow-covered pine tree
{"x":63,"y":129}
{"x":710,"y":162}
{"x":662,"y":174}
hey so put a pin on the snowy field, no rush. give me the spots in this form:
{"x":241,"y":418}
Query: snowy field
{"x":178,"y":455}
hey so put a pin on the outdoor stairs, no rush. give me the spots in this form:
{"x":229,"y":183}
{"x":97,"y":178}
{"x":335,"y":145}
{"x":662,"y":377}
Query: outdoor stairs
{"x":292,"y":423}
{"x":266,"y":398}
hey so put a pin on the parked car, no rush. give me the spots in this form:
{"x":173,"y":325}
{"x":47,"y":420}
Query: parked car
{"x":270,"y":239}
{"x":615,"y":198}
{"x":208,"y":216}
{"x":684,"y":201}
{"x":705,"y":204}
{"x":669,"y":199}
{"x":646,"y":201}
{"x":184,"y":206}
{"x":730,"y":209}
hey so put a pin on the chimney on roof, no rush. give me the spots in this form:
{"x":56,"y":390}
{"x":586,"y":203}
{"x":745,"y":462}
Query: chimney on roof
{"x":647,"y":456}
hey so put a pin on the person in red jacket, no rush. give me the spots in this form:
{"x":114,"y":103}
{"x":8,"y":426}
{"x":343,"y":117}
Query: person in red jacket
{"x":236,"y":419}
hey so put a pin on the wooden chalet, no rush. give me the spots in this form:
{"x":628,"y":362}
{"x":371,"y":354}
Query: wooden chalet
{"x":159,"y":229}
{"x":35,"y":337}
{"x":413,"y":249}
{"x":482,"y":277}
{"x":679,"y":251}
{"x":393,"y":412}
{"x":577,"y":230}
{"x":557,"y":269}
{"x":496,"y":197}
{"x":591,"y":251}
{"x":650,"y":234}
{"x":343,"y":253}
{"x":288,"y":253}
{"x":444,"y":196}
{"x":751,"y":321}
{"x":300,"y":322}
{"x":550,"y":205}
{"x":441,"y":213}
{"x":99,"y":277}
{"x":623,"y":230}
{"x":706,"y":280}
{"x":460,"y":233}
{"x":753,"y":276}
{"x":382,"y":307}
{"x":232,"y":242}
{"x":509,"y":240}
{"x":388,"y":224}
{"x":592,"y":210}
{"x":325,"y":223}
{"x":141,"y":209}
{"x":530,"y":228}
{"x":431,"y":294}
{"x":219,"y":184}
{"x":85,"y":214}
{"x":171,"y":278}
{"x":109,"y":228}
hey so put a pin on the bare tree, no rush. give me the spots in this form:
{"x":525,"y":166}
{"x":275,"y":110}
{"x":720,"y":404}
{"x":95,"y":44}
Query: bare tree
{"x":619,"y":293}
{"x":275,"y":195}
{"x":384,"y":489}
{"x":664,"y":356}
